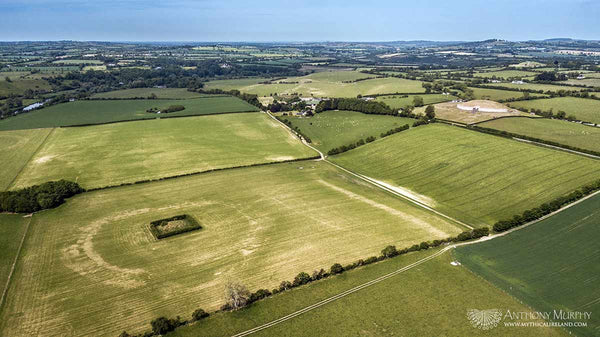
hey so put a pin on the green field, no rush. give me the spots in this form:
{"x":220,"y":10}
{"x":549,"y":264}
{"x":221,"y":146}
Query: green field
{"x":397,"y":102}
{"x":331,"y":129}
{"x":322,"y":84}
{"x":563,"y":132}
{"x":12,"y":229}
{"x":506,"y":74}
{"x":419,"y":302}
{"x":468,"y":175}
{"x":91,"y":266}
{"x":589,"y":81}
{"x":495,"y":94}
{"x":16,"y":149}
{"x":551,"y":265}
{"x":535,"y":86}
{"x":176,"y":93}
{"x":112,"y":154}
{"x":103,"y":111}
{"x":584,"y":109}
{"x":18,"y":86}
{"x":74,"y":61}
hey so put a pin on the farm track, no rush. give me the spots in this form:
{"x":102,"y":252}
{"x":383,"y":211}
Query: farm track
{"x":401,"y":270}
{"x":29,"y":160}
{"x":12,"y":268}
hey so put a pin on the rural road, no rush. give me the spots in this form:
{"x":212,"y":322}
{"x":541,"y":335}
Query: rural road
{"x":401,"y":270}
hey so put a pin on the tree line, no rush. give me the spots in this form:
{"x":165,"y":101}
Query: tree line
{"x":38,"y":197}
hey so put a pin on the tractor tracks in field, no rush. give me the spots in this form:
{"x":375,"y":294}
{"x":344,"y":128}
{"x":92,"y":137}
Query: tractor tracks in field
{"x":30,"y":159}
{"x":400,"y":270}
{"x":14,"y":264}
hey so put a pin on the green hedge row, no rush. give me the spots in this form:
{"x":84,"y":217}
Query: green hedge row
{"x":38,"y":197}
{"x":192,"y":225}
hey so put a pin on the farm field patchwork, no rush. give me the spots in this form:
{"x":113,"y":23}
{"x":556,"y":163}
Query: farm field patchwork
{"x":112,"y":154}
{"x":551,"y":265}
{"x":384,"y":309}
{"x":563,"y":132}
{"x":506,"y":74}
{"x":331,"y":129}
{"x":496,"y":94}
{"x":535,"y":86}
{"x":584,"y":109}
{"x":16,"y":149}
{"x":397,"y":102}
{"x":104,"y":111}
{"x":471,"y":176}
{"x":91,"y":266}
{"x":175,"y":93}
{"x":18,"y":86}
{"x":450,"y":111}
{"x":322,"y":84}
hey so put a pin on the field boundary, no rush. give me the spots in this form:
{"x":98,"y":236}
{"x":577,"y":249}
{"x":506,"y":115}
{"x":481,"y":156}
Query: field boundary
{"x":12,"y":268}
{"x":401,"y":270}
{"x":29,"y":160}
{"x":555,"y":147}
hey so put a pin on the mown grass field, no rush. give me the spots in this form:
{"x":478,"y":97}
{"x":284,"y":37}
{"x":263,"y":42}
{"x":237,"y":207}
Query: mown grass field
{"x":99,"y":111}
{"x":506,"y":74}
{"x":562,"y":132}
{"x":92,"y":266}
{"x":428,"y":300}
{"x":175,"y":93}
{"x":474,"y":177}
{"x":12,"y":229}
{"x":397,"y":102}
{"x":16,"y":149}
{"x":587,"y":110}
{"x":18,"y":86}
{"x":331,"y":129}
{"x":322,"y":84}
{"x":106,"y":155}
{"x":495,"y":94}
{"x":551,"y":265}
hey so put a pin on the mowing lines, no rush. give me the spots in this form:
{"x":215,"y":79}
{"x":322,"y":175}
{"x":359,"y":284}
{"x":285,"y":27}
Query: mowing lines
{"x":10,"y":184}
{"x":12,"y":268}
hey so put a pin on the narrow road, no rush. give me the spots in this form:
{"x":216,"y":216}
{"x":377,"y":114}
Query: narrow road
{"x":399,"y":271}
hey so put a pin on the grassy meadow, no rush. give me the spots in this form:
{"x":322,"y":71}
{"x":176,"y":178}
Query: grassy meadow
{"x":563,"y":132}
{"x":506,"y":74}
{"x":16,"y":149}
{"x":587,"y":110}
{"x":397,"y":102}
{"x":322,"y":84}
{"x":331,"y":129}
{"x":91,"y":266}
{"x":18,"y":86}
{"x":535,"y":86}
{"x":111,"y":154}
{"x":474,"y":177}
{"x":12,"y":229}
{"x":384,"y":309}
{"x":174,"y":93}
{"x":551,"y":265}
{"x":496,"y":95}
{"x":104,"y":111}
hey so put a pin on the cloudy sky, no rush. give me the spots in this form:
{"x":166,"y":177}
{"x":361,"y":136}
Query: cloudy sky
{"x":349,"y":20}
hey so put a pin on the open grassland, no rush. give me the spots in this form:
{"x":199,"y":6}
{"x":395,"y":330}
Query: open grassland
{"x":551,"y":265}
{"x":468,"y":175}
{"x":12,"y":229}
{"x":563,"y":132}
{"x":113,"y":154}
{"x":16,"y":149}
{"x":175,"y":93}
{"x":428,"y":300}
{"x":18,"y":86}
{"x":92,"y":267}
{"x":450,"y":111}
{"x":587,"y":110}
{"x":331,"y":129}
{"x":496,"y":95}
{"x":97,"y":112}
{"x":535,"y":86}
{"x":590,"y":81}
{"x":80,"y":61}
{"x":506,"y":74}
{"x":322,"y":84}
{"x":397,"y":102}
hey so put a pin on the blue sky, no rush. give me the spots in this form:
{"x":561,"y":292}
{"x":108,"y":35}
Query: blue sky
{"x":350,"y":20}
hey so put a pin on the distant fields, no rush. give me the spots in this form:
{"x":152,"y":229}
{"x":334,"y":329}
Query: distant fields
{"x":112,"y":154}
{"x":471,"y":176}
{"x":18,"y":86}
{"x":587,"y":110}
{"x":535,"y":86}
{"x":562,"y":132}
{"x":103,"y":111}
{"x":331,"y":129}
{"x":12,"y":229}
{"x":495,"y":94}
{"x":551,"y":265}
{"x":506,"y":74}
{"x":397,"y":102}
{"x":92,"y":266}
{"x":16,"y":149}
{"x":322,"y":84}
{"x":428,"y":300}
{"x":176,"y":93}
